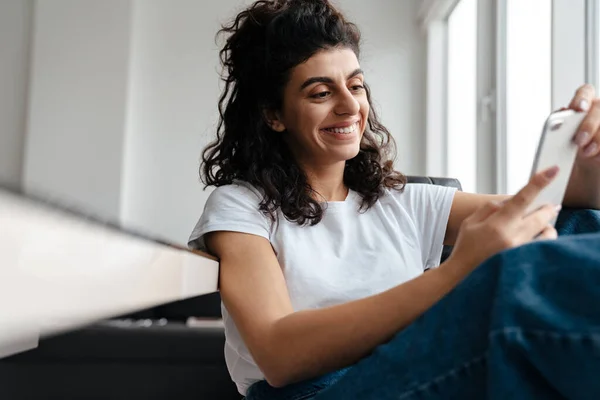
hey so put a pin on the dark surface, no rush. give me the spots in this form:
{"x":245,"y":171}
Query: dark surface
{"x":122,"y":362}
{"x":435,"y":181}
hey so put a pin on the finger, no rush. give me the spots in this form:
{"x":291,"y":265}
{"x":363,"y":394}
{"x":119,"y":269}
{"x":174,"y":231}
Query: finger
{"x":583,"y":98}
{"x":549,"y":233}
{"x":517,"y":205}
{"x":483,"y":212}
{"x":593,"y":148}
{"x":537,"y":222}
{"x":587,"y":137}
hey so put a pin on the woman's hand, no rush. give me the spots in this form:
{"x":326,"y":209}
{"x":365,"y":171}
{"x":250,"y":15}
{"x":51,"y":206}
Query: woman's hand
{"x":498,"y":226}
{"x":588,"y":134}
{"x":583,"y":190}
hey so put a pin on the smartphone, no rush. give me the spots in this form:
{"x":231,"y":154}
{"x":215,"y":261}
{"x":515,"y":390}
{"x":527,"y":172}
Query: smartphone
{"x":556,"y":147}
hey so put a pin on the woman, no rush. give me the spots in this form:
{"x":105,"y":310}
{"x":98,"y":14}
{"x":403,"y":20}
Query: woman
{"x":323,"y":245}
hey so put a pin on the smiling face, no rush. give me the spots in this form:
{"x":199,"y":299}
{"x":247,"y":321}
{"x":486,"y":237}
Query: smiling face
{"x":325,"y":108}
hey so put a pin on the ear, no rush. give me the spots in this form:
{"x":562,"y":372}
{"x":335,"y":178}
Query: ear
{"x":273,"y":119}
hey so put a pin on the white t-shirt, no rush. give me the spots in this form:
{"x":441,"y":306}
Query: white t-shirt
{"x":347,"y":256}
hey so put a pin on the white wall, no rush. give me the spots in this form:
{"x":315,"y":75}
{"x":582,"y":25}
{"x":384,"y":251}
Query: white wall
{"x":394,"y":59}
{"x":78,"y":102}
{"x":124,"y":97}
{"x":173,"y":95}
{"x":15,"y":28}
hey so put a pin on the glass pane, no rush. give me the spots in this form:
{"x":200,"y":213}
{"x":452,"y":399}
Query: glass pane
{"x":462,"y":92}
{"x":528,"y":84}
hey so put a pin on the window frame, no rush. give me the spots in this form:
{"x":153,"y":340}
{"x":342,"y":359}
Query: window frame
{"x":433,"y":17}
{"x":575,"y":60}
{"x":592,"y":72}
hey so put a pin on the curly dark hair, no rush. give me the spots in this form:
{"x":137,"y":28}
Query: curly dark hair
{"x":263,"y":44}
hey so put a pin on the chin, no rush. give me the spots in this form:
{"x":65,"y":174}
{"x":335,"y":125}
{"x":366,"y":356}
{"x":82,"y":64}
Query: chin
{"x":345,"y":154}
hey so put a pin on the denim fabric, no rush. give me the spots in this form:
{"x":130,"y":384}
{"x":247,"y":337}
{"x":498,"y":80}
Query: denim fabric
{"x":573,"y":222}
{"x":524,"y":325}
{"x":299,"y":391}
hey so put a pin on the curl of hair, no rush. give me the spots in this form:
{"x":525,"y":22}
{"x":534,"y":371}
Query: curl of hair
{"x":264,"y":42}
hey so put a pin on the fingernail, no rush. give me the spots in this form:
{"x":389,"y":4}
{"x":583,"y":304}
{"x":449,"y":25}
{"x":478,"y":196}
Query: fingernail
{"x":584,"y":105}
{"x":582,"y":138}
{"x":590,"y":150}
{"x":551,"y":172}
{"x":558,"y":208}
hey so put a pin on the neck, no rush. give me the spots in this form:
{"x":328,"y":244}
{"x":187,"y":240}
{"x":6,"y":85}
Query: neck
{"x":327,"y":181}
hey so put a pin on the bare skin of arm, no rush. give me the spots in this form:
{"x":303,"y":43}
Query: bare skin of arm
{"x":254,"y":291}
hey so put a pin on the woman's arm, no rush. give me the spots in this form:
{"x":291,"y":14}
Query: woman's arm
{"x":290,"y":346}
{"x":583,"y":190}
{"x":584,"y":185}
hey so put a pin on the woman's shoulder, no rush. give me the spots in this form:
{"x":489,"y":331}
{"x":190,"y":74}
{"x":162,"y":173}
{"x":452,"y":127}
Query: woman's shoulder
{"x":414,"y":196}
{"x":404,"y":193}
{"x":238,"y":194}
{"x":417,"y":189}
{"x":238,"y":188}
{"x":233,"y":207}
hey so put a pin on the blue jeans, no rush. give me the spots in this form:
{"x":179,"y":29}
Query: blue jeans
{"x":524,"y":325}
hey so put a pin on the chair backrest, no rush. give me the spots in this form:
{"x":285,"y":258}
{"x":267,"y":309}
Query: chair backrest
{"x":435,"y":181}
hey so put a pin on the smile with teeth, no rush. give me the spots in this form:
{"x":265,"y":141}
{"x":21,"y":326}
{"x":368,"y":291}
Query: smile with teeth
{"x":348,"y":129}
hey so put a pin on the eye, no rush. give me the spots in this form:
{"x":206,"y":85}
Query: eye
{"x":321,"y":95}
{"x":357,"y":88}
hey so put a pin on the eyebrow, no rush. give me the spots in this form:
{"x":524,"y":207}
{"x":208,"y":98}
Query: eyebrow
{"x":324,"y":79}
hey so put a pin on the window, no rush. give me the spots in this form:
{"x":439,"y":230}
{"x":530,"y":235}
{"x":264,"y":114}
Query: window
{"x":496,"y":69}
{"x":528,"y":84}
{"x":461,"y":102}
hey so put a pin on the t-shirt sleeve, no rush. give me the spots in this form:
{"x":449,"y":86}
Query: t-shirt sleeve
{"x":233,"y":208}
{"x":430,"y":209}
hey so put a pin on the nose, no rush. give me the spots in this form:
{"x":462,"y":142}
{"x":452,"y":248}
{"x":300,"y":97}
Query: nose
{"x":347,"y":104}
